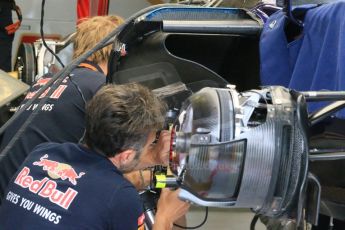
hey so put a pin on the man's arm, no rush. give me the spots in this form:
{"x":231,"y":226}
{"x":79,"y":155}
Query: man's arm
{"x":169,"y":209}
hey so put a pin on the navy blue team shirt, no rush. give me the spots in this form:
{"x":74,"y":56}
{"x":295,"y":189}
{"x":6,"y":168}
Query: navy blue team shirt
{"x":68,"y":186}
{"x":61,"y":119}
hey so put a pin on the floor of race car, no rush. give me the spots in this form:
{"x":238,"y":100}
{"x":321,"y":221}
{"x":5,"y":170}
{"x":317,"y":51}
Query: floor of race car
{"x":222,"y":219}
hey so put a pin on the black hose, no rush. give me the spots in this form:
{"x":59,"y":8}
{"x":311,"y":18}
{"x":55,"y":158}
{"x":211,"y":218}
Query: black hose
{"x":42,"y":36}
{"x":199,"y":225}
{"x":254,"y":221}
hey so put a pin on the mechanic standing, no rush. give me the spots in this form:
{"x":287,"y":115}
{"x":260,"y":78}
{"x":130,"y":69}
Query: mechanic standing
{"x":71,"y":186}
{"x":7,"y":30}
{"x":61,"y":118}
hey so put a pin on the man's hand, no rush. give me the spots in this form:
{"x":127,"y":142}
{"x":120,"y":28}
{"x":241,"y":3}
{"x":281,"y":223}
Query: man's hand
{"x":169,"y":209}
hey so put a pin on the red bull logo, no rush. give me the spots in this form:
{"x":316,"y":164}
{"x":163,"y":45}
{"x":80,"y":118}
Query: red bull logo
{"x":58,"y":170}
{"x":45,"y":188}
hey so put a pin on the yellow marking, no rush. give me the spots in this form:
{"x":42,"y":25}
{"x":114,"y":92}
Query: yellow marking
{"x":160,"y":181}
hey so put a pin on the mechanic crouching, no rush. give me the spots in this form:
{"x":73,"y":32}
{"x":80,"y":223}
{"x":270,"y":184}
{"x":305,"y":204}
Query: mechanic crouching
{"x":81,"y":186}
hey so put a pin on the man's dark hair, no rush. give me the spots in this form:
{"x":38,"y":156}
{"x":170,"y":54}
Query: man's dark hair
{"x":120,"y":117}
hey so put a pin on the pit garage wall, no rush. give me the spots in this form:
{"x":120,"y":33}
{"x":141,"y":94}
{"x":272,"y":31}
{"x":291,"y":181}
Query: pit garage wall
{"x":58,"y":19}
{"x":60,"y":16}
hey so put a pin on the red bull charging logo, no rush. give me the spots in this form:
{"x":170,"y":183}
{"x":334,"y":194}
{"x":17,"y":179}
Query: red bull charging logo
{"x":58,"y":170}
{"x":47,"y":188}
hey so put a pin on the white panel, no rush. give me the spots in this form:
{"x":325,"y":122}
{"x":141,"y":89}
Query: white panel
{"x":60,"y":10}
{"x":126,"y":8}
{"x":59,"y":18}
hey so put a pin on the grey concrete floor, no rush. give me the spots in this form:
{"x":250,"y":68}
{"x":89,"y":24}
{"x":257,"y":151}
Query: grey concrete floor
{"x":222,"y":219}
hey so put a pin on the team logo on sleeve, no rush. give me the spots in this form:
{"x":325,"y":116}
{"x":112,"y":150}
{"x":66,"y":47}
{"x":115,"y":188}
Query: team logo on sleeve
{"x":58,"y":170}
{"x":141,"y":221}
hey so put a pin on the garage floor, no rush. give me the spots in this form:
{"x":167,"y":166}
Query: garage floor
{"x":222,"y":219}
